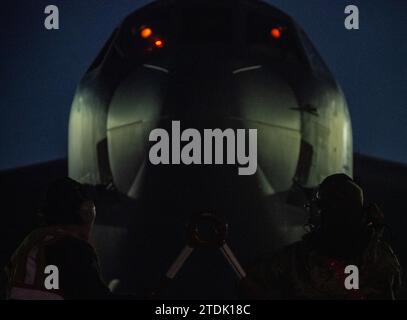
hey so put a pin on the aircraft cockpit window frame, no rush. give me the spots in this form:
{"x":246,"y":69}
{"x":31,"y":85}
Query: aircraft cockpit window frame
{"x":103,"y":52}
{"x":315,"y":60}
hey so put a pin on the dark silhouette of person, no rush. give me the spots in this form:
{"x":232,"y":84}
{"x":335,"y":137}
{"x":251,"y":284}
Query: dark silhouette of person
{"x":344,"y":232}
{"x":62,"y":242}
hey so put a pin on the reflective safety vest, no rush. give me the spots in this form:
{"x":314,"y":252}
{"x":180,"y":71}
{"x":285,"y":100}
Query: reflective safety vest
{"x":25,"y":270}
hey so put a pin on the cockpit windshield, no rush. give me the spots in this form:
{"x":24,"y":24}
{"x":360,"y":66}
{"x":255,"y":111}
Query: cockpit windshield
{"x":206,"y":25}
{"x":260,"y":34}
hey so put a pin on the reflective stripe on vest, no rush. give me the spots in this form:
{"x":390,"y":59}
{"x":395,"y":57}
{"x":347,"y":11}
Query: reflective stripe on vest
{"x":27,"y":264}
{"x":31,"y":267}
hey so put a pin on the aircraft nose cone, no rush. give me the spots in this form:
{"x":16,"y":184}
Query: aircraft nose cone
{"x":204,"y":96}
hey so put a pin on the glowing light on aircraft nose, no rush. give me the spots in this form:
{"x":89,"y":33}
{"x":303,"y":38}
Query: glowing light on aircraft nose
{"x":159,"y":43}
{"x":276,"y":33}
{"x":146,"y":32}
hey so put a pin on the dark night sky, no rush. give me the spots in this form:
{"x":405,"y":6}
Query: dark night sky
{"x":40,"y":69}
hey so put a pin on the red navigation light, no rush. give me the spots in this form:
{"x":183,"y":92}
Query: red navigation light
{"x":159,"y":43}
{"x":276,"y":33}
{"x":146,"y":32}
